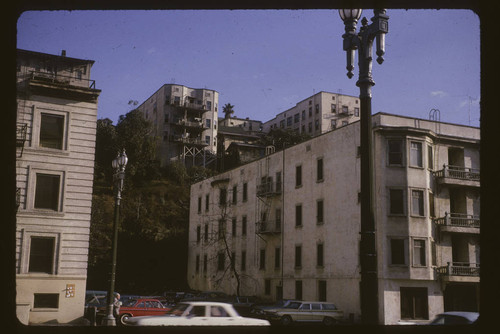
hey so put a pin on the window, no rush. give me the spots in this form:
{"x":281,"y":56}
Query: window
{"x":209,"y":105}
{"x":296,"y":118}
{"x":317,"y":108}
{"x":334,"y":108}
{"x":222,"y":229}
{"x":245,"y":192}
{"x":356,"y":111}
{"x":42,"y":255}
{"x":197,"y":264}
{"x":432,"y":211}
{"x":414,"y":303}
{"x":51,"y":131}
{"x":298,"y":176}
{"x":419,"y":258}
{"x":244,"y":225}
{"x":277,"y":257}
{"x":345,"y":109}
{"x":430,"y":157}
{"x":235,"y":194}
{"x":298,"y":290}
{"x":319,"y":169}
{"x":262,"y":262}
{"x":207,"y":140}
{"x":278,"y":219}
{"x":344,"y":123}
{"x":208,"y":123}
{"x":207,"y":202}
{"x":199,"y":204}
{"x":303,"y":128}
{"x":417,"y":202}
{"x":303,"y":115}
{"x":310,"y":127}
{"x":398,"y":251}
{"x":222,"y":196}
{"x":319,"y":255}
{"x":243,"y":260}
{"x":282,"y":123}
{"x":319,"y":212}
{"x":220,"y":261}
{"x":233,"y":227}
{"x":416,"y":154}
{"x":298,"y":256}
{"x":395,"y":148}
{"x":333,"y":123}
{"x":298,"y":215}
{"x":289,"y":121}
{"x":396,"y":205}
{"x":310,"y":112}
{"x":321,"y":292}
{"x":233,"y":260}
{"x":278,"y":181}
{"x":267,"y":286}
{"x":198,"y":233}
{"x":316,"y":124}
{"x":46,"y":300}
{"x":47,"y":191}
{"x":205,"y":263}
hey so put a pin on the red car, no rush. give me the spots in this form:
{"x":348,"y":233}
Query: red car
{"x":141,"y":306}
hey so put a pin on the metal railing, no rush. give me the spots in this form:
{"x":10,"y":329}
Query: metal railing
{"x":53,"y":77}
{"x":457,"y":172}
{"x":187,"y":104}
{"x":459,"y":269}
{"x":194,"y":141}
{"x":189,"y":123}
{"x":21,"y":130}
{"x":269,"y":189}
{"x":458,"y":220}
{"x":268,"y":226}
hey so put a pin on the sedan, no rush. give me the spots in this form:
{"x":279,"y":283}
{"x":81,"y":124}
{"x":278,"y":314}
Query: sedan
{"x":141,"y":307}
{"x":198,"y":313}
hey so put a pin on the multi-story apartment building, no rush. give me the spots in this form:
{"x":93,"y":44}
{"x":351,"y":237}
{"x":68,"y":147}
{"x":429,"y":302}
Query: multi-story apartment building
{"x":56,"y":129}
{"x":317,"y":114}
{"x":185,"y":123}
{"x":287,"y":225}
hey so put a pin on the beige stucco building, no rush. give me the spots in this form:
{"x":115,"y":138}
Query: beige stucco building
{"x":184,"y":122}
{"x":287,"y":225}
{"x":317,"y":114}
{"x":56,"y":129}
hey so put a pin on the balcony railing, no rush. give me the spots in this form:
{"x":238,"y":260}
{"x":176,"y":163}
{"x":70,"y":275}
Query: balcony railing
{"x":458,"y":220}
{"x":187,"y":140}
{"x":53,"y":77}
{"x":187,"y":105}
{"x":269,"y":189}
{"x":459,"y":269}
{"x":190,"y":123}
{"x":457,"y":172}
{"x":268,"y":227}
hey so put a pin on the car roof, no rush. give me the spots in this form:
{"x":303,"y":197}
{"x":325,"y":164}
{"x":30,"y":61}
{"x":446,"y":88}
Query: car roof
{"x":472,"y":316}
{"x":205,"y":303}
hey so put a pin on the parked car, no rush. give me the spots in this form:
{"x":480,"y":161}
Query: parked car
{"x":305,"y":311}
{"x":212,"y":296}
{"x":455,"y":318}
{"x":198,"y":313}
{"x":244,"y":304}
{"x":259,"y":310}
{"x":134,"y":307}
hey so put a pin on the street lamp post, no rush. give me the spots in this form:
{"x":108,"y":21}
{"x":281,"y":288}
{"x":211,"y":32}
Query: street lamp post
{"x":118,"y":164}
{"x":363,"y":41}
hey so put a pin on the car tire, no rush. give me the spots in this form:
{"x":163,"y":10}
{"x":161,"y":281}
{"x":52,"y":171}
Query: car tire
{"x":286,"y":320}
{"x":123,"y":317}
{"x":327,"y":321}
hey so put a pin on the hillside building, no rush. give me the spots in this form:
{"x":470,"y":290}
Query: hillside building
{"x":56,"y":131}
{"x":185,"y":123}
{"x":287,"y":225}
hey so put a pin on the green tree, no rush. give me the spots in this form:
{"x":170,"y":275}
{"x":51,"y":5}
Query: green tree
{"x":228,"y":110}
{"x":282,"y":138}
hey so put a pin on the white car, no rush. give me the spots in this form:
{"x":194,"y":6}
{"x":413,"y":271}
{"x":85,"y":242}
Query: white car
{"x":198,"y":314}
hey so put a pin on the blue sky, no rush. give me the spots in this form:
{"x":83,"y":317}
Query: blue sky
{"x":265,"y":61}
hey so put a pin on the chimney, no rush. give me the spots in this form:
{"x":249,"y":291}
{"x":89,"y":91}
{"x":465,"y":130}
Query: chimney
{"x":63,"y":53}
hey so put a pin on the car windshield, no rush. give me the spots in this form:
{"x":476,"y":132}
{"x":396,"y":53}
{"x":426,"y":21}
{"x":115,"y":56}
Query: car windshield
{"x":179,"y":309}
{"x":129,"y":302}
{"x":293,"y":305}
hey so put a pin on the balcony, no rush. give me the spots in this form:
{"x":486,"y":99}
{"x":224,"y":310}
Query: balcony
{"x":63,"y":86}
{"x":193,"y":124}
{"x":459,"y":272}
{"x":191,"y":141}
{"x":456,"y":175}
{"x":269,"y":189}
{"x":187,"y":105}
{"x":344,"y":112}
{"x":458,"y":222}
{"x":268,"y":227}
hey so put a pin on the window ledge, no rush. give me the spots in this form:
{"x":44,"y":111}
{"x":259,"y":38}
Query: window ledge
{"x":49,"y":151}
{"x":320,"y":181}
{"x":43,"y":213}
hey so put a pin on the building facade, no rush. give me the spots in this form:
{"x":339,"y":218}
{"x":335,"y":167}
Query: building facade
{"x":317,"y":114}
{"x":185,"y":122}
{"x":287,"y":225}
{"x":56,"y":130}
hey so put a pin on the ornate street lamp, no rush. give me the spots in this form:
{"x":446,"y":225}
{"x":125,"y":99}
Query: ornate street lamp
{"x":363,"y":41}
{"x":119,"y":164}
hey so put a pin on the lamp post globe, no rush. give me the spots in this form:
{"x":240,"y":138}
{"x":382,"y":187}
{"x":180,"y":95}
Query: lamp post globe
{"x":350,"y":14}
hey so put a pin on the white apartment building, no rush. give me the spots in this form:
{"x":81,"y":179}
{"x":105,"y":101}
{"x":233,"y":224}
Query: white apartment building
{"x":287,"y":225}
{"x":185,"y":123}
{"x":56,"y":129}
{"x":317,"y":114}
